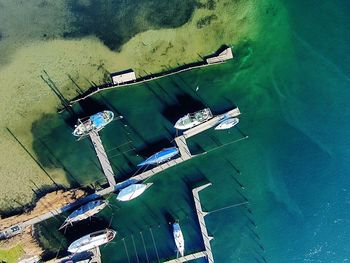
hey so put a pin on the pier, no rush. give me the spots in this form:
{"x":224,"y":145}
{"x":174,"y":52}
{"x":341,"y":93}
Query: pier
{"x":90,"y":256}
{"x":102,"y":157}
{"x":221,"y":56}
{"x":206,"y":238}
{"x":210,"y":123}
{"x":185,"y":155}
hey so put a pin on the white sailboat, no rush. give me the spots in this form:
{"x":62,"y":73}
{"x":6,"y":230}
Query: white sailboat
{"x":92,"y":240}
{"x":84,"y":212}
{"x":132,"y":191}
{"x":179,"y":239}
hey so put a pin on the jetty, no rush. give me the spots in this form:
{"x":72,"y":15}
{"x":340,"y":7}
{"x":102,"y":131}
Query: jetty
{"x":90,"y":256}
{"x":102,"y":157}
{"x":207,"y":253}
{"x":128,"y":77}
{"x":185,"y":155}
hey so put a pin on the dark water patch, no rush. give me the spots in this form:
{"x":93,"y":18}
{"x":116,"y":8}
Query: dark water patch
{"x":56,"y":147}
{"x":209,"y":4}
{"x":206,"y":21}
{"x":116,"y":21}
{"x":186,"y":104}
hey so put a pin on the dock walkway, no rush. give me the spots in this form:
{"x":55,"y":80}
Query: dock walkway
{"x":102,"y":157}
{"x":202,"y":225}
{"x":206,"y":238}
{"x":211,"y":60}
{"x":185,"y":155}
{"x":90,"y":256}
{"x":211,"y":123}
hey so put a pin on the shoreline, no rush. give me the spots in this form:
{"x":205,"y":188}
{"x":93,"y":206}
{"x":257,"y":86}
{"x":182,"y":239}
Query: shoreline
{"x":154,"y":76}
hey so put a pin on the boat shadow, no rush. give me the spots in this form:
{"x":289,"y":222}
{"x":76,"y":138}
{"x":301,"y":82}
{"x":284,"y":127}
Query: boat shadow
{"x":186,"y":104}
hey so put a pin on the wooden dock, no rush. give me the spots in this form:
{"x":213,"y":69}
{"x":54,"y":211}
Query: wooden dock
{"x":214,"y":59}
{"x":183,"y":148}
{"x":206,"y":238}
{"x":202,"y":225}
{"x":102,"y":157}
{"x":189,"y":257}
{"x":90,"y":256}
{"x":211,"y":123}
{"x":185,"y":155}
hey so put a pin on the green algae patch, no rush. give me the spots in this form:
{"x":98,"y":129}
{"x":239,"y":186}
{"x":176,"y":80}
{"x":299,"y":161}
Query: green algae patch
{"x":11,"y":255}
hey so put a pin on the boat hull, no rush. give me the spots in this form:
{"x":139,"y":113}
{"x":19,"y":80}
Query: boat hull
{"x":132,"y":191}
{"x":85,"y":212}
{"x":160,"y":157}
{"x":191,"y":120}
{"x":227,"y":124}
{"x":179,"y":239}
{"x":92,"y":240}
{"x":95,"y":122}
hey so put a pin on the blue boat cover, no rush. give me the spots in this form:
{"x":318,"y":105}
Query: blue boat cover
{"x":161,"y":156}
{"x":98,"y":119}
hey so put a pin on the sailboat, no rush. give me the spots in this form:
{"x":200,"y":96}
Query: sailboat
{"x":92,"y":240}
{"x":160,"y":157}
{"x":84,"y":212}
{"x":179,"y":239}
{"x":132,"y":191}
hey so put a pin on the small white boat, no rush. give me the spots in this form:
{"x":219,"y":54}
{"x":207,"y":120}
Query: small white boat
{"x":227,"y":124}
{"x":92,"y":240}
{"x":179,"y":239}
{"x":132,"y":191}
{"x":191,"y":120}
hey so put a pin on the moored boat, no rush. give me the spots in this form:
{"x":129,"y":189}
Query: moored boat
{"x":132,"y":191}
{"x":95,"y":122}
{"x":84,"y":212}
{"x":160,"y":157}
{"x":191,"y":120}
{"x":179,"y":239}
{"x":227,"y":124}
{"x":92,"y":240}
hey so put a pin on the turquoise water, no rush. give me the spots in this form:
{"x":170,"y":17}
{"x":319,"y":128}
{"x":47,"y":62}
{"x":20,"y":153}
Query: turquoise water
{"x":293,"y":92}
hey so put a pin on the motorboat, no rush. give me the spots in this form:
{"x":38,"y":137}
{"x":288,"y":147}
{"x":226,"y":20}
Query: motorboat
{"x":227,"y":124}
{"x":95,"y":122}
{"x":191,"y":120}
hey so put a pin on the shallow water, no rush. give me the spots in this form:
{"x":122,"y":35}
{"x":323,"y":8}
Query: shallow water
{"x":292,"y":89}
